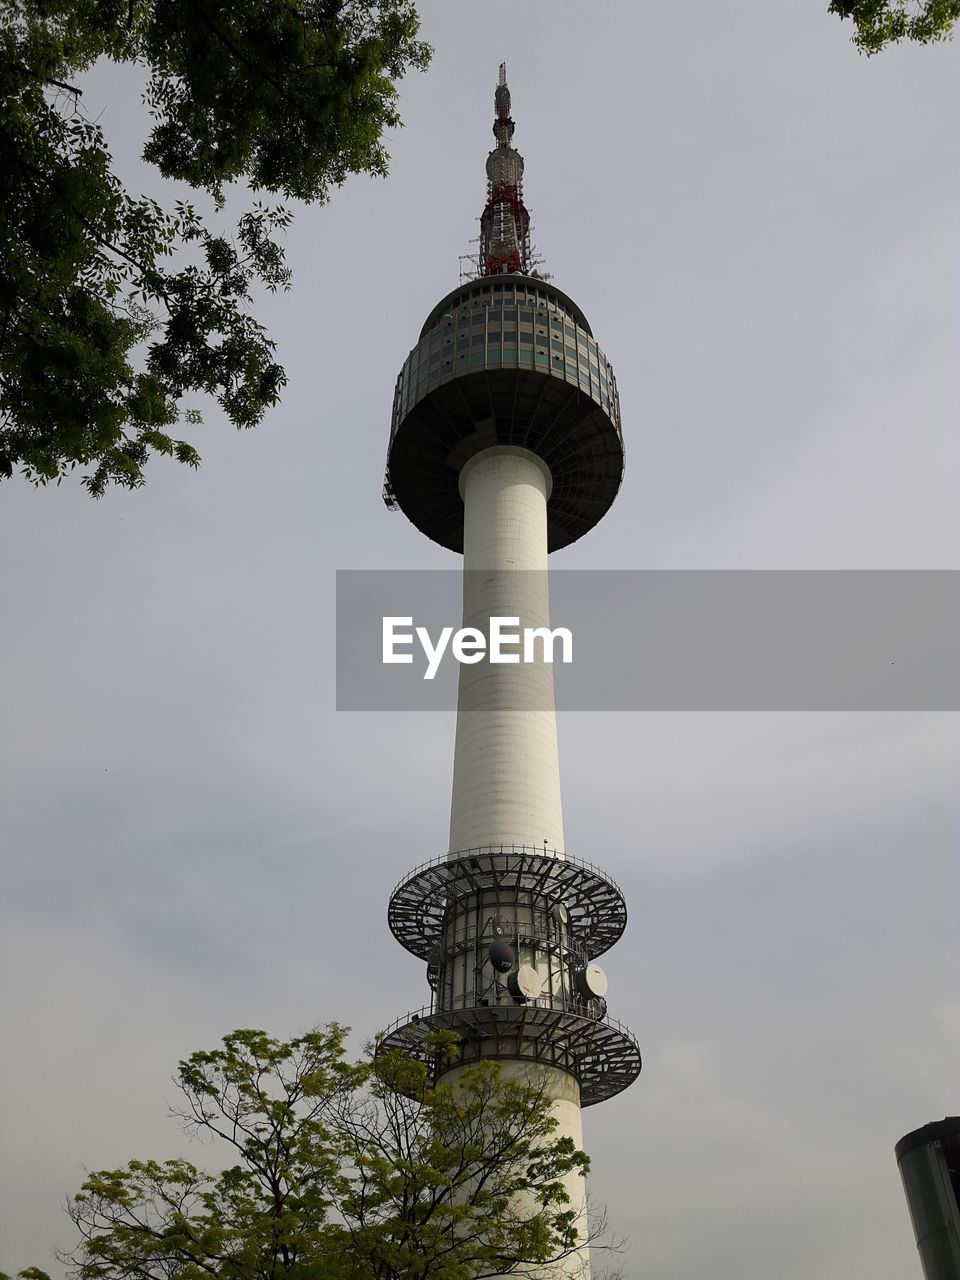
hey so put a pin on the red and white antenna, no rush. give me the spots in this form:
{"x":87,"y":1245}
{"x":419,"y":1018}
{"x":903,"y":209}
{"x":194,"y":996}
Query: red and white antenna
{"x":505,"y":224}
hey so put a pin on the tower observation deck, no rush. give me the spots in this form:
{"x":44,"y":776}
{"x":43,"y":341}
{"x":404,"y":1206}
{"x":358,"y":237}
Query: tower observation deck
{"x":505,"y":444}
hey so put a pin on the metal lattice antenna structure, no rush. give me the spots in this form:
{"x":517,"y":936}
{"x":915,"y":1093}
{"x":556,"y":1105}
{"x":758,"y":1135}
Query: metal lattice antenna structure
{"x":505,"y":445}
{"x":505,"y":224}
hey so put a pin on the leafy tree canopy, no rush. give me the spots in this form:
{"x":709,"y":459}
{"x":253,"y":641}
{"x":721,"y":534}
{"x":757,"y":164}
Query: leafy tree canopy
{"x":358,"y":1171}
{"x":102,"y":334}
{"x":878,"y":23}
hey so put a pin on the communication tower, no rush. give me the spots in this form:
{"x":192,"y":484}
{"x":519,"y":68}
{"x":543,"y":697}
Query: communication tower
{"x":505,"y":445}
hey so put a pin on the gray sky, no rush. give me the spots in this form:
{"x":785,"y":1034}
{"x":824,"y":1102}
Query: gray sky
{"x":761,"y":227}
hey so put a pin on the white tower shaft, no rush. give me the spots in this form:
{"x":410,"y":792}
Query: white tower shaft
{"x":506,"y":776}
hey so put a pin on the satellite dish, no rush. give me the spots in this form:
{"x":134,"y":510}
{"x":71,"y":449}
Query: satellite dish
{"x":591,"y":982}
{"x":499,"y":926}
{"x":525,"y":984}
{"x":501,"y":955}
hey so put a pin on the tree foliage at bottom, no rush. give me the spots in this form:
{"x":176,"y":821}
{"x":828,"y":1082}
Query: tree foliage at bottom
{"x":359,"y":1171}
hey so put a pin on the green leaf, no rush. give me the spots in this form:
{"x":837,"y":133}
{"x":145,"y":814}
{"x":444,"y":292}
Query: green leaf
{"x":108,"y":319}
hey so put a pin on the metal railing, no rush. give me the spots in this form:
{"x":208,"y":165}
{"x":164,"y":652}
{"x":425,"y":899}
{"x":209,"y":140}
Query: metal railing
{"x":489,"y":850}
{"x":427,"y":1014}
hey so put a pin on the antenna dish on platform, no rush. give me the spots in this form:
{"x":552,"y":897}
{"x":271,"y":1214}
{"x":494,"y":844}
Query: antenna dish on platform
{"x":525,"y":984}
{"x":591,"y":982}
{"x":501,"y":955}
{"x":499,"y":926}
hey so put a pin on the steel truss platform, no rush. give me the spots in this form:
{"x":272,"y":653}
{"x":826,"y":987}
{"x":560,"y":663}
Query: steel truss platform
{"x":420,"y":902}
{"x":600,"y":1052}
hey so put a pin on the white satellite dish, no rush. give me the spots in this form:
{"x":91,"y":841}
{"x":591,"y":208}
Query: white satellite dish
{"x":591,"y":982}
{"x":525,"y":983}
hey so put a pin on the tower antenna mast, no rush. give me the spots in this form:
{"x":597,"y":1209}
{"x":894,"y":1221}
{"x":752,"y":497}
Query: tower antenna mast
{"x":505,"y":223}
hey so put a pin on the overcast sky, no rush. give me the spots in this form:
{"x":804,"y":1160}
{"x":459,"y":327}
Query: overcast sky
{"x":761,"y":227}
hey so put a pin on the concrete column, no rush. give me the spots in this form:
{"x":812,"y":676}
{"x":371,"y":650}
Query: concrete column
{"x":506,"y":774}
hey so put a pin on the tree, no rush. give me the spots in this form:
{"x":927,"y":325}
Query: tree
{"x":878,"y":23}
{"x":358,"y":1171}
{"x":102,"y":335}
